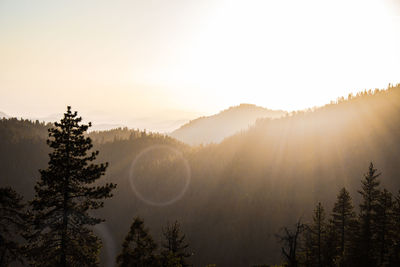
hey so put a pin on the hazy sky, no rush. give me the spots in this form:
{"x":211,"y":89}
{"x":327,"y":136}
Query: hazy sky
{"x":157,"y":63}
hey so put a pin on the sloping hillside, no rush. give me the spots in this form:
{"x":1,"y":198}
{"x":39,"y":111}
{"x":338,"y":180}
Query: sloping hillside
{"x":243,"y":190}
{"x":214,"y":129}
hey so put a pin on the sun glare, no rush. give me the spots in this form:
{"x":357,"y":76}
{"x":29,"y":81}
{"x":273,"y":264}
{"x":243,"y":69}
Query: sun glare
{"x":155,"y":58}
{"x":288,"y":54}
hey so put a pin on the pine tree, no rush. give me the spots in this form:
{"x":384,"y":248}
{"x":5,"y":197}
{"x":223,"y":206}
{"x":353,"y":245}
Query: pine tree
{"x":343,"y":222}
{"x":12,"y":225}
{"x":138,"y":248}
{"x":175,"y":245}
{"x":370,"y":195}
{"x":318,"y":233}
{"x":384,"y":226}
{"x":62,"y":233}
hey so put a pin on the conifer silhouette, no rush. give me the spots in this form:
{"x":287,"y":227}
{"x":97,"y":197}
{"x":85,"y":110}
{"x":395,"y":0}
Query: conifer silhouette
{"x":61,"y":228}
{"x":174,"y":246}
{"x":138,"y":248}
{"x":344,"y":223}
{"x":370,"y":195}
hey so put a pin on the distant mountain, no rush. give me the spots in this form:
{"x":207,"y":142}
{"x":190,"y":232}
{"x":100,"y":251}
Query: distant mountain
{"x":105,"y":126}
{"x":3,"y":115}
{"x":213,"y":129}
{"x":161,"y":123}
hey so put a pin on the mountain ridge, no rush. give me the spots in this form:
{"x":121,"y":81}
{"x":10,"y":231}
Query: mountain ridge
{"x":214,"y":128}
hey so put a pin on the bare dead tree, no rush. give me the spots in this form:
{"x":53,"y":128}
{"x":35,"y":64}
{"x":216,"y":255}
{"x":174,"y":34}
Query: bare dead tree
{"x":290,"y":243}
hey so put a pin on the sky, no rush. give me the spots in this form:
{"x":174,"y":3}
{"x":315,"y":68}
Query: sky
{"x":157,"y":63}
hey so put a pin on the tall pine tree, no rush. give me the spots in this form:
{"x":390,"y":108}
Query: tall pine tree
{"x":370,"y":195}
{"x":62,"y":226}
{"x":319,"y":246}
{"x":344,"y":222}
{"x":12,"y":225}
{"x":138,"y":248}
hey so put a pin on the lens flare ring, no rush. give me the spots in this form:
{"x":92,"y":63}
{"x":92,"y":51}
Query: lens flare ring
{"x":187,"y":175}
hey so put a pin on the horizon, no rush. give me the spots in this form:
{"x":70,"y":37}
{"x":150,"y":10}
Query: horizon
{"x":158,"y":64}
{"x":159,"y":125}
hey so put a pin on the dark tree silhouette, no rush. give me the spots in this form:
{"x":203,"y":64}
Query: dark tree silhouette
{"x":306,"y":250}
{"x":61,"y":229}
{"x":290,"y":240}
{"x":344,"y":223}
{"x":174,"y":246}
{"x":318,"y":246}
{"x":12,"y":225}
{"x":318,"y":228}
{"x":370,"y":195}
{"x":343,"y":241}
{"x":329,"y":246}
{"x":138,"y":248}
{"x":384,"y":226}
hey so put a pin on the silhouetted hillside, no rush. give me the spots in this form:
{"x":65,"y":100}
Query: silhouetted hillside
{"x":121,"y":134}
{"x":214,"y":129}
{"x":242,"y":191}
{"x":17,"y":129}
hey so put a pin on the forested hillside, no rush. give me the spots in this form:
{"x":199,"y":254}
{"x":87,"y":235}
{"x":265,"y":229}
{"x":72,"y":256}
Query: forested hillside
{"x":241,"y":191}
{"x":213,"y":129}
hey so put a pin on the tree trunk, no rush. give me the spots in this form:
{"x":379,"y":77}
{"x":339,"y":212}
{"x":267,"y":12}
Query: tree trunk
{"x":65,"y":209}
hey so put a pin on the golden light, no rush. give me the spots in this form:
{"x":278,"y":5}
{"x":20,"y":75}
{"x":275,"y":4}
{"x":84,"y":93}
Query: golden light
{"x":152,"y":58}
